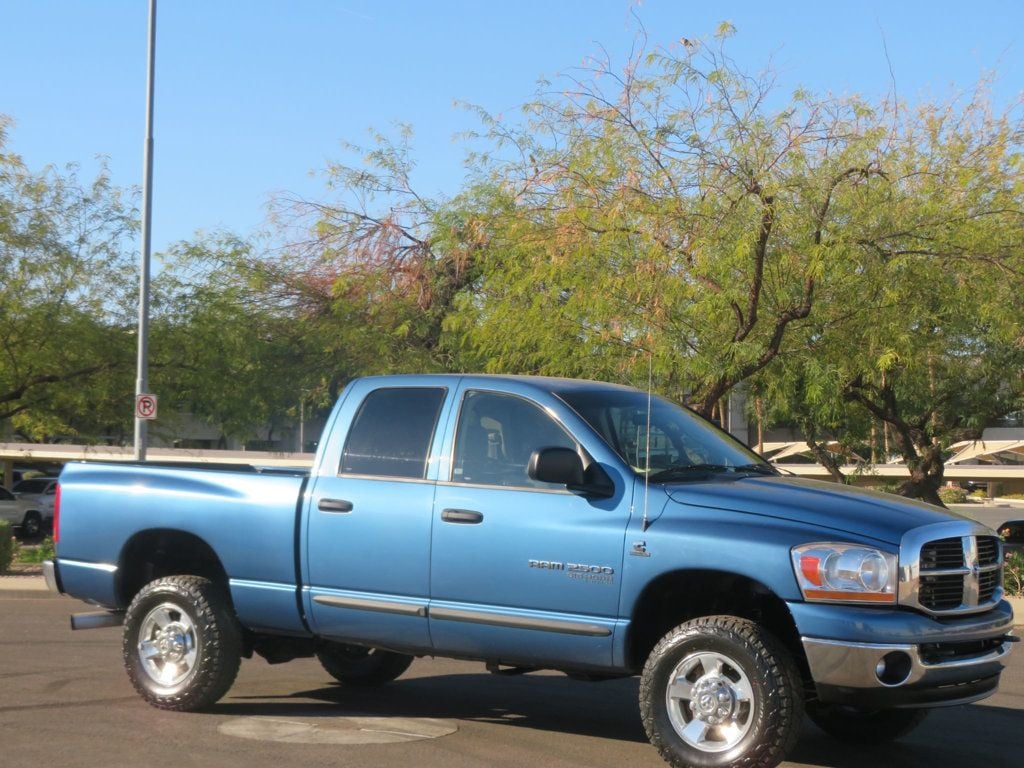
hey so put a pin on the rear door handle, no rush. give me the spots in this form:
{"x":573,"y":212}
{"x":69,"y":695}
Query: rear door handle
{"x":468,"y":516}
{"x":334,"y":505}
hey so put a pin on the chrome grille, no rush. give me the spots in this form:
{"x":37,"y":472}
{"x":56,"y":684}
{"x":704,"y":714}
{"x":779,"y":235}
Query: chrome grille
{"x":942,"y":554}
{"x":988,"y":550}
{"x":949,"y":574}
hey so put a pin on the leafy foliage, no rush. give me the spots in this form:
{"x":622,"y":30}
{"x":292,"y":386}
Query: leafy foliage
{"x":1013,"y":575}
{"x":8,"y":544}
{"x":64,"y":295}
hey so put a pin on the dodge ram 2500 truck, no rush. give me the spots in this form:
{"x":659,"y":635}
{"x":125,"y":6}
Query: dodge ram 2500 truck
{"x":537,"y":523}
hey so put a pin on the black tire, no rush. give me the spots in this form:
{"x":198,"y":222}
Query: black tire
{"x":859,"y":726}
{"x":32,"y":525}
{"x":359,"y":666}
{"x":757,"y":682}
{"x":182,"y":643}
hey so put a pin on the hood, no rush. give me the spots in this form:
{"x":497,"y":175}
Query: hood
{"x":876,"y":515}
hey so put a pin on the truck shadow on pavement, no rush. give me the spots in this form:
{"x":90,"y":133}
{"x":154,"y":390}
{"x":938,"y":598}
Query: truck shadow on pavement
{"x":950,"y":738}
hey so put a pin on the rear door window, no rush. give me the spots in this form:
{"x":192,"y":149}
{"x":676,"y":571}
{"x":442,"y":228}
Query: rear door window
{"x":391,"y":433}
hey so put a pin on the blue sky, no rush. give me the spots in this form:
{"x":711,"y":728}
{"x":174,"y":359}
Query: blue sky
{"x":254,"y":97}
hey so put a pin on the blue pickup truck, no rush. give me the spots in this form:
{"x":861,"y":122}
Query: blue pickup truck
{"x":535,"y":523}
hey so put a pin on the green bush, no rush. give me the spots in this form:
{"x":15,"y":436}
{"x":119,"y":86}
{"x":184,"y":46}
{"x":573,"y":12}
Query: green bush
{"x":36,"y":555}
{"x":1013,"y":575}
{"x":7,"y":546}
{"x":1014,"y":496}
{"x":953,"y":495}
{"x":890,"y":487}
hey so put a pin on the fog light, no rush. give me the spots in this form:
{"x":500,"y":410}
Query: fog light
{"x":893,"y":669}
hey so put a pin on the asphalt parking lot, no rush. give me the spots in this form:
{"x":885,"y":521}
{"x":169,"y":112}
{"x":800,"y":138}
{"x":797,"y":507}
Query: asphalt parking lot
{"x":65,"y":700}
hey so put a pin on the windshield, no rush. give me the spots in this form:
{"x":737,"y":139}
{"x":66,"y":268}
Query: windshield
{"x":679,"y":439}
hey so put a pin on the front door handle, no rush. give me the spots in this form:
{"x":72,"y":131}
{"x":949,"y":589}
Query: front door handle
{"x":334,"y":505}
{"x":468,"y":516}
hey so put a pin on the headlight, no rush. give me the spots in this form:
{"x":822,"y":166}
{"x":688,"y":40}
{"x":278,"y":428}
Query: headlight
{"x":845,"y":573}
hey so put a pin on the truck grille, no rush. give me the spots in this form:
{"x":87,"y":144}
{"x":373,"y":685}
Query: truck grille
{"x":959,"y":573}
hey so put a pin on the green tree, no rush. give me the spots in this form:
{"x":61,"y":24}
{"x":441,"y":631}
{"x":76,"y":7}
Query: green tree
{"x":224,"y":347}
{"x":925,"y":339}
{"x":663,"y":215}
{"x":65,"y":277}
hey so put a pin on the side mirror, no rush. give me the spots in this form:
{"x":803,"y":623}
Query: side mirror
{"x":1012,"y":531}
{"x":563,"y":466}
{"x":556,"y":465}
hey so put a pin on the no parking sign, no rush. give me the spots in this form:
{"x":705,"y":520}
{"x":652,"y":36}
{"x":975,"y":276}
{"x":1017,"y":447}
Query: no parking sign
{"x":145,"y":407}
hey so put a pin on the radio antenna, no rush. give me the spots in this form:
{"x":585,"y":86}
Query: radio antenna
{"x":647,"y":437}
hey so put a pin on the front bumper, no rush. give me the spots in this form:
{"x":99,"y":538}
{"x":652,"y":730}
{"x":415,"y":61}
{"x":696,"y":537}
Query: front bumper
{"x":925,"y":661}
{"x":876,"y":675}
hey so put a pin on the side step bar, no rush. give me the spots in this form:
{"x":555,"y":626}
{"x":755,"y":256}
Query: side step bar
{"x":97,"y":619}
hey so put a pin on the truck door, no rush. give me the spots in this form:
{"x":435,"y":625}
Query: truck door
{"x":368,"y":535}
{"x":521,"y":571}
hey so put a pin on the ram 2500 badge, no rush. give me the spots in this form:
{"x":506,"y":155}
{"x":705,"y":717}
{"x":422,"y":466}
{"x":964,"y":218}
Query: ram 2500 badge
{"x":546,"y":524}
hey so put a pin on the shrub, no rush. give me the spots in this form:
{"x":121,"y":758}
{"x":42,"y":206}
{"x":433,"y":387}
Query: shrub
{"x":890,"y":487}
{"x":1013,"y":574}
{"x":952,"y":495}
{"x":36,"y":555}
{"x":7,"y":546}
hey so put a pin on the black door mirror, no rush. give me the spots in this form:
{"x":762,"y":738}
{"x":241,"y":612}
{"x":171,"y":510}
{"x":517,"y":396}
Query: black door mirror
{"x":563,"y":466}
{"x":556,"y":465}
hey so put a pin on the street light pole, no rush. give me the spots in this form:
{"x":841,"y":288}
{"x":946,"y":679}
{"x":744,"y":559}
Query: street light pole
{"x":142,"y":380}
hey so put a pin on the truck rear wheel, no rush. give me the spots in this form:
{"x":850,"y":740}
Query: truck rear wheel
{"x":356,"y":665}
{"x":721,"y":691}
{"x":182,"y":643}
{"x":861,"y":726}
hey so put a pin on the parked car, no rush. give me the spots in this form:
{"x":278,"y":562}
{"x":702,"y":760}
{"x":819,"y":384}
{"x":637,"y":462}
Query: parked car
{"x":1012,"y":532}
{"x":41,"y":492}
{"x":22,"y":514}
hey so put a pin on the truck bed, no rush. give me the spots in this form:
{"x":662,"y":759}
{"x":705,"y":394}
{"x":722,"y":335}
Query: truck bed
{"x":247,"y":515}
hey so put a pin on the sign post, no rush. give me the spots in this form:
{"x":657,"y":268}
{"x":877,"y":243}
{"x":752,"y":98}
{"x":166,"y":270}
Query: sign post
{"x":142,"y":380}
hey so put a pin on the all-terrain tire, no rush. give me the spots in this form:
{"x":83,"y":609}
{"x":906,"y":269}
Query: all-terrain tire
{"x":756,"y":680}
{"x":359,"y":666}
{"x":182,"y":643}
{"x":859,"y":726}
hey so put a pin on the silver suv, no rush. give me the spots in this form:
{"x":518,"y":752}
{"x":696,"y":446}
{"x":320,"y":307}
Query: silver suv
{"x":23,"y":514}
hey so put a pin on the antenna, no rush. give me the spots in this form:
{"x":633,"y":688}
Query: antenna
{"x":647,"y":438}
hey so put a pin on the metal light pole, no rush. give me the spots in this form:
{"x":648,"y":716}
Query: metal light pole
{"x":142,"y":380}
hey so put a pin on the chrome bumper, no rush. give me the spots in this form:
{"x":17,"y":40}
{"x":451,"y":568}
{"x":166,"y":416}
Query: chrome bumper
{"x":856,"y":665}
{"x":50,"y":576}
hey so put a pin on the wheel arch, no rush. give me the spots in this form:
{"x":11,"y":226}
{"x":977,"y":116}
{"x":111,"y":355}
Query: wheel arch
{"x":681,"y":595}
{"x":158,"y":552}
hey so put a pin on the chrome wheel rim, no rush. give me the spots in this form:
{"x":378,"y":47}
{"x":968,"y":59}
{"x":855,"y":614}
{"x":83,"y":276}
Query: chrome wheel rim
{"x":710,"y":701}
{"x":168,"y":646}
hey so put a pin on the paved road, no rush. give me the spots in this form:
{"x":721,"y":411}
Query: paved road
{"x":992,"y":515}
{"x":64,"y":700}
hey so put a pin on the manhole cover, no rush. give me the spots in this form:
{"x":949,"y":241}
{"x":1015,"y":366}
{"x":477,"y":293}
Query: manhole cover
{"x":338,"y":730}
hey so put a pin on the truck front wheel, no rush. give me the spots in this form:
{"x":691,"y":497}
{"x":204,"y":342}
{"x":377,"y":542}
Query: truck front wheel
{"x":860,"y":726}
{"x":182,"y":643}
{"x":356,"y":665}
{"x":721,"y":691}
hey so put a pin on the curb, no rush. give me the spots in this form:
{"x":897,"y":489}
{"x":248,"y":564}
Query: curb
{"x":1017,"y":603}
{"x":24,"y":587}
